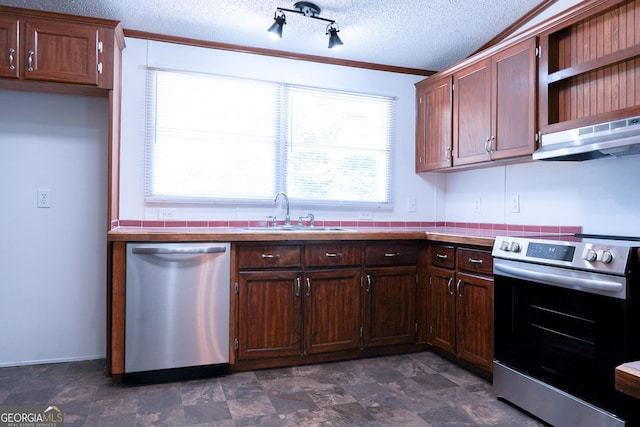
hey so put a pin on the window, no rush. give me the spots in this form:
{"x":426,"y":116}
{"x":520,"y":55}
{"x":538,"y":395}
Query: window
{"x":229,"y":140}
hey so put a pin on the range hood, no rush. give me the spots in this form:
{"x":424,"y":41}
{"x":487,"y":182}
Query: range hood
{"x":617,"y":138}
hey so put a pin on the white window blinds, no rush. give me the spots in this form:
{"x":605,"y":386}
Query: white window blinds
{"x":220,"y":139}
{"x":211,"y":138}
{"x":338,"y":147}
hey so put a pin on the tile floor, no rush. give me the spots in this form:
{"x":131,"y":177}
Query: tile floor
{"x":419,"y":389}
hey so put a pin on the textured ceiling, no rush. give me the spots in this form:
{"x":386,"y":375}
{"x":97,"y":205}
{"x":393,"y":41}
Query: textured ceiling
{"x":425,"y":34}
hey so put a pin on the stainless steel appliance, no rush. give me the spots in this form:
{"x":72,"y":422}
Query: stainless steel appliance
{"x":616,"y":138}
{"x":566,"y":314}
{"x":177,"y":311}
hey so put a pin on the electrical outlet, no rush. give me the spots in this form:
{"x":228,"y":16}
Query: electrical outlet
{"x":476,"y":205}
{"x":167,"y":214}
{"x":44,"y":198}
{"x":411,"y":204}
{"x":364,"y":215}
{"x":515,"y":204}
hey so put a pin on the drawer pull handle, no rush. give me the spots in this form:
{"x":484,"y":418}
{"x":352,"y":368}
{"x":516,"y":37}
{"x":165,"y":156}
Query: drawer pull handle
{"x":270,"y":256}
{"x":333,"y":255}
{"x":449,"y":285}
{"x":297,"y":287}
{"x":475,"y":261}
{"x":30,"y":60}
{"x":442,"y":256}
{"x":392,"y":254}
{"x":308,"y":294}
{"x":11,"y":52}
{"x":459,"y":288}
{"x":368,"y":283}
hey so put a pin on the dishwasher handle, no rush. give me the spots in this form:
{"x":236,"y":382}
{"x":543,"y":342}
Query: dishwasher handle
{"x":163,"y":250}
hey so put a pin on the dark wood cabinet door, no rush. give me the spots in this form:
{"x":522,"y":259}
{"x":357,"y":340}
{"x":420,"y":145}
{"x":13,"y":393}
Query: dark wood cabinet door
{"x":332,"y":315}
{"x":433,"y":125}
{"x":474,"y":328}
{"x":60,"y":52}
{"x":390,"y":306}
{"x":514,"y":102}
{"x":269,"y":315}
{"x":9,"y":48}
{"x":442,"y":309}
{"x":472,"y":114}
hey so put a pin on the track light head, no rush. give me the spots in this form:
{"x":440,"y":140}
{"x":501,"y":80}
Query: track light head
{"x":334,"y":39}
{"x":275,"y":30}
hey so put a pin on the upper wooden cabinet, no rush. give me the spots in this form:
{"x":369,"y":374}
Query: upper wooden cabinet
{"x":433,"y":124}
{"x":50,"y":47}
{"x":590,"y":67}
{"x":482,"y":112}
{"x":9,"y":58}
{"x":494,"y":106}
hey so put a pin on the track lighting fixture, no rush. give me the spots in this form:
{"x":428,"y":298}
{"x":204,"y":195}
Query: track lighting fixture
{"x":310,"y":10}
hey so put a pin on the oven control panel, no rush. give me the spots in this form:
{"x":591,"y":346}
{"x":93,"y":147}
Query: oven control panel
{"x":593,"y":255}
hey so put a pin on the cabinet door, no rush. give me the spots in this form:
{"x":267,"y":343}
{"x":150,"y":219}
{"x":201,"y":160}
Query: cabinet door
{"x":442,"y":309}
{"x":472,"y":114}
{"x":434,"y":126}
{"x":61,"y":52}
{"x":474,"y":307}
{"x":514,"y":82}
{"x":390,"y":306}
{"x":9,"y":49}
{"x":332,"y":310}
{"x":269,"y":315}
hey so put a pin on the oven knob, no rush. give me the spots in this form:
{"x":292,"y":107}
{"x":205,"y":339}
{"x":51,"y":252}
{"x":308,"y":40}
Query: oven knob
{"x":604,"y":256}
{"x":589,"y":255}
{"x":514,"y":247}
{"x":504,"y":245}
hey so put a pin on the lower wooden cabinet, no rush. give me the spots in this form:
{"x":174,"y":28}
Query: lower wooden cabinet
{"x":474,"y":320}
{"x":269,"y":315}
{"x":460,"y":304}
{"x":332,"y":301}
{"x":390,"y":306}
{"x":317,"y":301}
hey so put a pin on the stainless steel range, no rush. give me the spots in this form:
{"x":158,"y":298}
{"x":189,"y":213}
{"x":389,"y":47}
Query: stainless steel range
{"x":566,"y":314}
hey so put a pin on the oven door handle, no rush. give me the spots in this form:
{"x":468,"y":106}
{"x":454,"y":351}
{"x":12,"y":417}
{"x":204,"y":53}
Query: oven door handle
{"x":573,"y":282}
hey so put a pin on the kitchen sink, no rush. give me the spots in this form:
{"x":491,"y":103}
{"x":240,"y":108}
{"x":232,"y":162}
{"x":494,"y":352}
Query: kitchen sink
{"x":292,"y":228}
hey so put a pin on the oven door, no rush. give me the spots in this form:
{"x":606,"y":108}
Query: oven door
{"x":568,"y":338}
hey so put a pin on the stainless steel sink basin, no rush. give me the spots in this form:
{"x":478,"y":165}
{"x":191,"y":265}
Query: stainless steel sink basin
{"x":293,"y":228}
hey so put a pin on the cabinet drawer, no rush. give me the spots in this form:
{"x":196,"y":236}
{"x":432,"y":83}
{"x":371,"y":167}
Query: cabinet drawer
{"x":256,"y":256}
{"x":329,"y":255}
{"x":475,"y":260}
{"x":443,"y":256}
{"x":402,"y":253}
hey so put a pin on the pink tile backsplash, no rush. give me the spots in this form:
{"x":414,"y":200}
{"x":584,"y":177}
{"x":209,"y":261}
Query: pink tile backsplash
{"x":454,"y":226}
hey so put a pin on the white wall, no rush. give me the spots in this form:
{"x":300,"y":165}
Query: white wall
{"x":140,"y":54}
{"x":52,"y":261}
{"x":601,"y":195}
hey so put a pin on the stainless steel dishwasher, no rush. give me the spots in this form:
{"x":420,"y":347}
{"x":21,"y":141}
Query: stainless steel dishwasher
{"x":177,"y":311}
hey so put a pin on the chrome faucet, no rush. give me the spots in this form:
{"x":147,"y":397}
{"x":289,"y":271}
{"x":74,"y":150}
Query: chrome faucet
{"x":287,"y":219}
